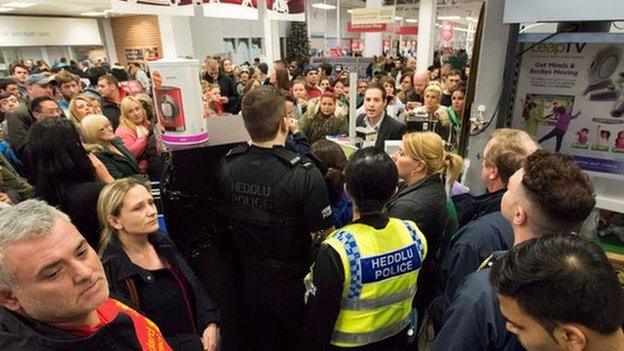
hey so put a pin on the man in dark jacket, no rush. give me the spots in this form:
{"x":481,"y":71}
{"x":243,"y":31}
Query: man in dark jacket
{"x":20,"y":120}
{"x":549,"y":194}
{"x":375,"y":117}
{"x":58,"y":298}
{"x":108,"y":87}
{"x":229,"y":96}
{"x":488,"y":231}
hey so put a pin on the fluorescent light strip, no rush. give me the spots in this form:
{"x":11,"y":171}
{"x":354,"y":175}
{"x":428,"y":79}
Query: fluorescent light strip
{"x":449,"y":17}
{"x":323,"y":6}
{"x":398,"y":18}
{"x":472,"y":19}
{"x":18,"y":4}
{"x":6,"y":9}
{"x":411,"y":20}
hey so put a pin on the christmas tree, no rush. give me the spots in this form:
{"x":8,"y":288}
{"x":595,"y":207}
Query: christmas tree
{"x":298,"y":43}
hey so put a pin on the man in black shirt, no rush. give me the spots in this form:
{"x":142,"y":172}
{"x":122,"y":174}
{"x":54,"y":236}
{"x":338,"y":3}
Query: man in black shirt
{"x":229,"y":96}
{"x":451,"y":80}
{"x":278,"y":202}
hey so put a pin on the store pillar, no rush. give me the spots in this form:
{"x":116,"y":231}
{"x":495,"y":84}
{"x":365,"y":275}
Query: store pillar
{"x":426,"y":34}
{"x":175,"y":35}
{"x":271,"y":34}
{"x":372,"y":41}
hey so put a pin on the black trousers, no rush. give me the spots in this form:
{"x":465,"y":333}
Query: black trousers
{"x":276,"y":309}
{"x":223,"y":280}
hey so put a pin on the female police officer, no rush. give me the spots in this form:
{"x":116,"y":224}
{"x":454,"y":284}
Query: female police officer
{"x":360,"y":291}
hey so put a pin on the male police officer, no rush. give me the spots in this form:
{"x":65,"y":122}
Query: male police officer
{"x":277,"y":201}
{"x":550,"y":194}
{"x":364,"y":279}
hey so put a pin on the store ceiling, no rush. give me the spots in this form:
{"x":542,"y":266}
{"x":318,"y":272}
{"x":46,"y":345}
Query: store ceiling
{"x":76,"y":8}
{"x":69,"y":8}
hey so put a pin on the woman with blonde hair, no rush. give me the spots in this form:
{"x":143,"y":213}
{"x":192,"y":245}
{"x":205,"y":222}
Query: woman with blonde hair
{"x":79,"y":107}
{"x":437,"y":114}
{"x":144,"y":266}
{"x":136,"y":133}
{"x":426,"y":169}
{"x":97,"y":133}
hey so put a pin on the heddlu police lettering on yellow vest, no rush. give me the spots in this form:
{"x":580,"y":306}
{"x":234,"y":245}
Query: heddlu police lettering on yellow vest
{"x":381,"y":268}
{"x":389,"y":265}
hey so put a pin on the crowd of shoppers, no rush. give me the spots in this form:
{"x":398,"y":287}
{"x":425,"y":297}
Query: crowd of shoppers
{"x":367,"y":252}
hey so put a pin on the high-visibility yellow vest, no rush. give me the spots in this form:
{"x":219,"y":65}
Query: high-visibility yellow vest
{"x":380,"y":269}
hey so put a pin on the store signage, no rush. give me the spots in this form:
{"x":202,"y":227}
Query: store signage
{"x":447,"y":31}
{"x":154,"y":7}
{"x":278,"y":10}
{"x":531,"y":11}
{"x":237,"y":9}
{"x":570,"y":99}
{"x":407,"y":30}
{"x":363,"y":28}
{"x":42,"y":31}
{"x":384,"y":14}
{"x":286,"y":10}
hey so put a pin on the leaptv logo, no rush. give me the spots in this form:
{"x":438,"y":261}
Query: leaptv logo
{"x":559,"y":48}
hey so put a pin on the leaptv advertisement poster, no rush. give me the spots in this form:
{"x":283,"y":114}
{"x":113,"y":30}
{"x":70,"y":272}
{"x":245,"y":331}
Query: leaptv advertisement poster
{"x":570,"y":98}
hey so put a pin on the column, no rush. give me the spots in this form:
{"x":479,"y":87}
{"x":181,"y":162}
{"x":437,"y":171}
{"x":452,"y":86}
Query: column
{"x":338,"y":39}
{"x":175,"y":36}
{"x":372,"y":41}
{"x":109,"y":40}
{"x":426,"y":34}
{"x":271,"y":47}
{"x":492,"y":56}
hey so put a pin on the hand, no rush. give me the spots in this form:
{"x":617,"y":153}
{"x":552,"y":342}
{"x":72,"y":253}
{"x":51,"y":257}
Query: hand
{"x":303,"y":102}
{"x":293,"y":126}
{"x":142,"y":131}
{"x":5,"y":198}
{"x":224,"y":100}
{"x":210,"y":337}
{"x":157,"y":79}
{"x":101,"y":172}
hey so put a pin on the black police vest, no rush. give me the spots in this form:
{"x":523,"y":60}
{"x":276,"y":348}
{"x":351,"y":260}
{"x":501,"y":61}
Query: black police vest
{"x":253,"y":209}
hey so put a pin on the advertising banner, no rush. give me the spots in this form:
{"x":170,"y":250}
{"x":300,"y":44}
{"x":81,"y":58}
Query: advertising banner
{"x":154,"y":7}
{"x":364,"y":28}
{"x":239,"y":9}
{"x":407,"y":30}
{"x":384,"y":14}
{"x":178,"y":101}
{"x":570,"y":97}
{"x":286,"y":10}
{"x":42,"y":31}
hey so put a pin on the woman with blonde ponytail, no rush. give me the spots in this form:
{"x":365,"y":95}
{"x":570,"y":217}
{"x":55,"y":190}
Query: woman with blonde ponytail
{"x":144,"y":266}
{"x":425,"y":169}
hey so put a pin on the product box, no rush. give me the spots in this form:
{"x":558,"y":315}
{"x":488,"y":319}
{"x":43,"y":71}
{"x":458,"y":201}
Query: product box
{"x":178,"y":101}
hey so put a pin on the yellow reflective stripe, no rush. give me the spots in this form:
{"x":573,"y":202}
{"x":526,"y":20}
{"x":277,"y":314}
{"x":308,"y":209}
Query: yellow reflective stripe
{"x":370,"y":337}
{"x":371,"y":304}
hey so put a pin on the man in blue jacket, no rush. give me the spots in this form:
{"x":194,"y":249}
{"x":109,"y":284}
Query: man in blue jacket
{"x":549,"y":194}
{"x":488,"y":231}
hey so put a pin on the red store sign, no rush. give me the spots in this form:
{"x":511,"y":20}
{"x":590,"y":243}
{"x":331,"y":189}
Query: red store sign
{"x":377,"y":27}
{"x":407,"y":30}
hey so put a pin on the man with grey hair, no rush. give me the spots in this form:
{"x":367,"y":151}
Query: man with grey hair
{"x":53,"y":290}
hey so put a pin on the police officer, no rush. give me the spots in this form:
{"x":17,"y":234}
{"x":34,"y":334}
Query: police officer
{"x":549,"y":194}
{"x":363,"y":281}
{"x":278,"y":202}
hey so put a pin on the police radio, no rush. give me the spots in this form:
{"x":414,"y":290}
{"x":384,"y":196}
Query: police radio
{"x":421,"y":121}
